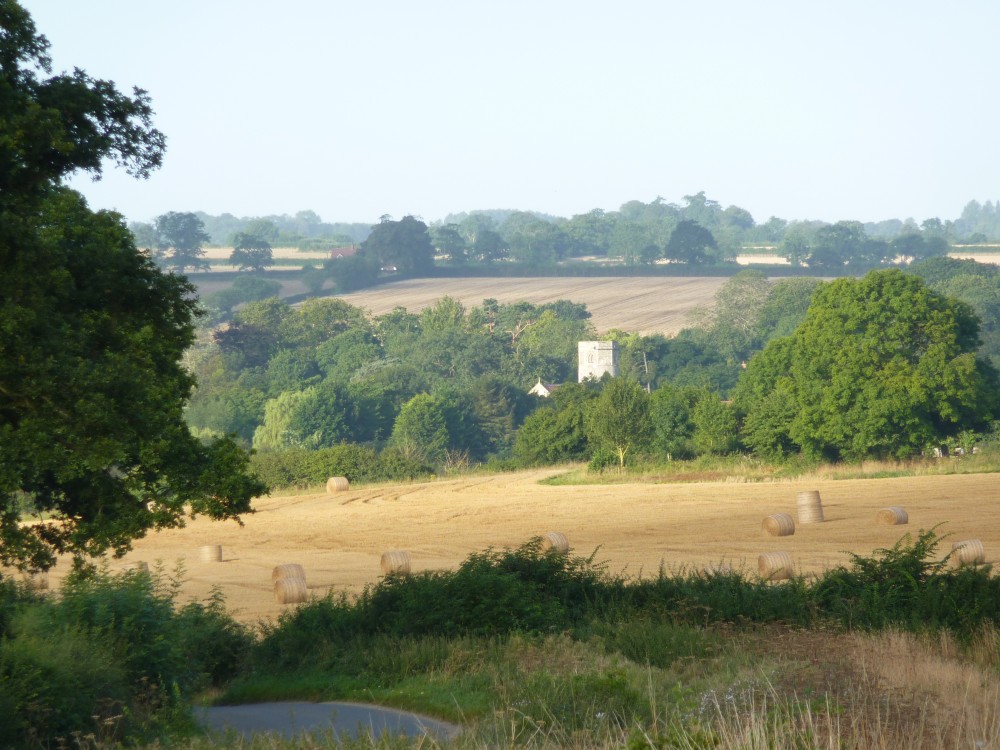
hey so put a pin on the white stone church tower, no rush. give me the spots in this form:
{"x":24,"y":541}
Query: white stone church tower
{"x":597,"y":358}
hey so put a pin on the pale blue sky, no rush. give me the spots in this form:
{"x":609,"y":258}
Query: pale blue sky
{"x":805,"y":110}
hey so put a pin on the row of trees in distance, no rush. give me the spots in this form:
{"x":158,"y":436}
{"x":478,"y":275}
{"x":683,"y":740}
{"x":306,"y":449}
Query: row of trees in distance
{"x":698,"y":232}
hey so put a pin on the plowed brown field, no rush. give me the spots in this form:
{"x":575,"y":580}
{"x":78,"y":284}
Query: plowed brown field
{"x":339,"y":539}
{"x":642,"y":305}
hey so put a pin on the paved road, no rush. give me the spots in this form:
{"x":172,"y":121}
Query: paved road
{"x":291,"y":719}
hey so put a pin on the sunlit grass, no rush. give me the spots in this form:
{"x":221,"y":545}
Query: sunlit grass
{"x":742,"y":468}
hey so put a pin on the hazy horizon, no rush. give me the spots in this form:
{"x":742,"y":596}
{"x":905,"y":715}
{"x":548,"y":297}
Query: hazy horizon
{"x":358,"y":110}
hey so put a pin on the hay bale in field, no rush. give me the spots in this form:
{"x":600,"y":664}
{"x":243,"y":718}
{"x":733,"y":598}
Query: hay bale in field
{"x":211,"y":553}
{"x":337,"y":484}
{"x":290,"y":591}
{"x":891,"y":516}
{"x":288,"y":570}
{"x":779,"y":524}
{"x":139,"y":566}
{"x":810,"y":507}
{"x":967,"y":552}
{"x":775,"y":566}
{"x":556,"y":542}
{"x":396,"y":562}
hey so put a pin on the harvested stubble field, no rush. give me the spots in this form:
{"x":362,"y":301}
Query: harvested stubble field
{"x":642,"y":305}
{"x":339,"y":539}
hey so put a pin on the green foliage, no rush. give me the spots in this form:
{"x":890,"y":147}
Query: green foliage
{"x":251,"y":252}
{"x":352,"y":273}
{"x":95,"y":359}
{"x":690,"y":243}
{"x":179,"y":240}
{"x":619,"y":417}
{"x":52,"y":684}
{"x":404,"y":245}
{"x":714,"y":424}
{"x":314,"y":279}
{"x":904,"y":586}
{"x":54,"y":126}
{"x":298,"y":467}
{"x":671,"y":413}
{"x":92,"y":334}
{"x":553,"y":434}
{"x":421,"y":429}
{"x":243,"y":289}
{"x":654,"y":641}
{"x":880,"y":367}
{"x":110,"y":655}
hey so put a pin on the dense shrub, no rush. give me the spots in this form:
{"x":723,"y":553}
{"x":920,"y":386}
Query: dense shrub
{"x":904,"y":586}
{"x":528,"y":590}
{"x":492,"y":592}
{"x":109,"y":654}
{"x":299,"y":467}
{"x":56,"y":681}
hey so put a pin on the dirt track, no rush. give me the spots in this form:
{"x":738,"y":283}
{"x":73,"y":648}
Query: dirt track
{"x":339,"y":539}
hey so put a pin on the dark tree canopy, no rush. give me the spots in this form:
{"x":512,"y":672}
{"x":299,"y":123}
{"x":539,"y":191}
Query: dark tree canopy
{"x":689,"y":243}
{"x":251,"y":252}
{"x":404,"y":245}
{"x":92,"y":436}
{"x":51,"y":127}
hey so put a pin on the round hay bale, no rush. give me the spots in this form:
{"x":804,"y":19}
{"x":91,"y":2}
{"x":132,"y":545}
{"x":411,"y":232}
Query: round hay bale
{"x":139,"y":565}
{"x":891,"y":516}
{"x":555,"y":541}
{"x":337,"y":484}
{"x":967,"y":552}
{"x":779,"y":524}
{"x":211,"y":553}
{"x":288,"y":570}
{"x":290,"y":591}
{"x":775,"y":566}
{"x":810,"y":507}
{"x":396,"y":562}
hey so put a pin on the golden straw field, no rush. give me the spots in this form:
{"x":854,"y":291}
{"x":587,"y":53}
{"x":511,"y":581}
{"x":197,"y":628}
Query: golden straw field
{"x":641,"y":305}
{"x":339,"y":539}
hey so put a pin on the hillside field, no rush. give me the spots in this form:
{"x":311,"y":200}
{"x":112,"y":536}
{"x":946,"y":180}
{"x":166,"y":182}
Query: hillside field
{"x":642,"y":305}
{"x":633,"y":528}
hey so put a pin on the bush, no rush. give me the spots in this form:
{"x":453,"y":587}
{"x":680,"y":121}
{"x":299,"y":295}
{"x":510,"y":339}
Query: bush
{"x":298,"y":467}
{"x":903,"y":586}
{"x":212,"y":641}
{"x":55,"y":682}
{"x":395,"y":465}
{"x":112,"y":647}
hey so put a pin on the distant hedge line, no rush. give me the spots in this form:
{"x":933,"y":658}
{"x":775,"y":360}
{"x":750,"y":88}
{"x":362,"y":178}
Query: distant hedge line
{"x":299,"y":467}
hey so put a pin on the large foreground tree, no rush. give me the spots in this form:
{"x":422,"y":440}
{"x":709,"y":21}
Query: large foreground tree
{"x":880,"y":367}
{"x":93,"y":442}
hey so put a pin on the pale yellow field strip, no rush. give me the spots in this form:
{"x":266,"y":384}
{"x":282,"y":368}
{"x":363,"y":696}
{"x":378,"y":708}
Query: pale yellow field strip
{"x":634,"y":528}
{"x":643,"y":305}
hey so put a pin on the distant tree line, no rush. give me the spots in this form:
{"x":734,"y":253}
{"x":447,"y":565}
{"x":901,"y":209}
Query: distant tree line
{"x":697,"y":233}
{"x":304,"y":230}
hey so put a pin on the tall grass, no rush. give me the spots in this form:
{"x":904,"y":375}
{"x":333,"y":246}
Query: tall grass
{"x":745,"y":468}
